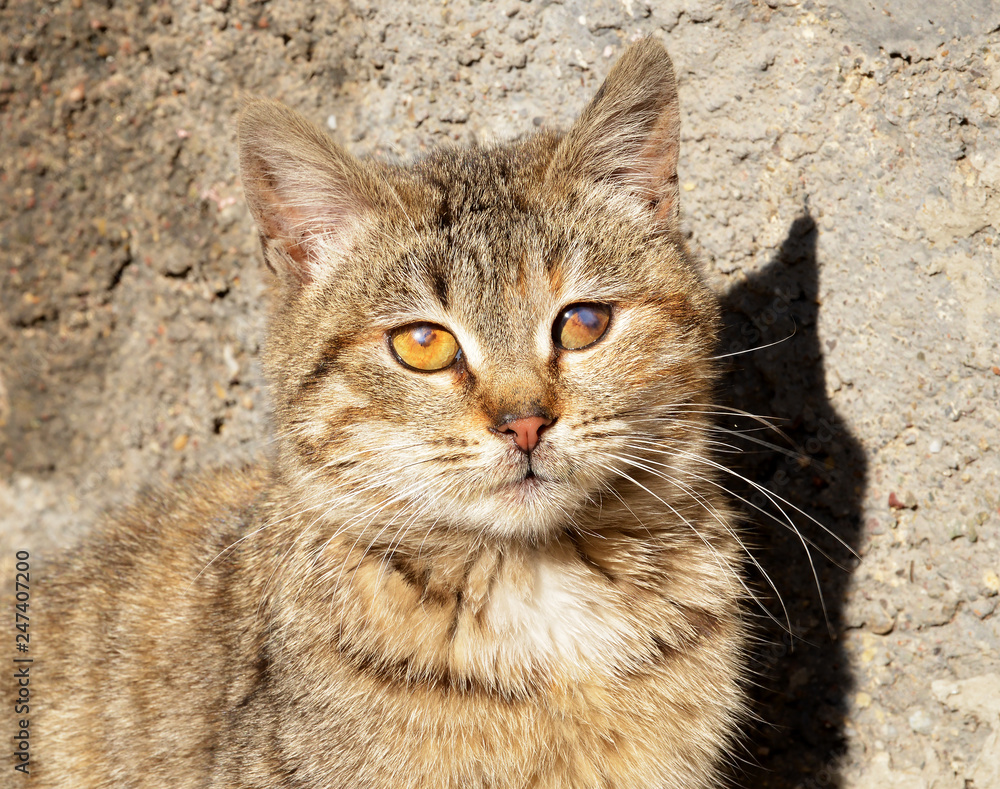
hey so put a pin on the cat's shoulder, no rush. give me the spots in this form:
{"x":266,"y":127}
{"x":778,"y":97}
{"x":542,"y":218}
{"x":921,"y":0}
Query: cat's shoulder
{"x":203,"y":497}
{"x":194,"y":516}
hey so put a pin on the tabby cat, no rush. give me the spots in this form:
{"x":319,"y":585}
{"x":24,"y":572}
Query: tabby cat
{"x":491,"y":550}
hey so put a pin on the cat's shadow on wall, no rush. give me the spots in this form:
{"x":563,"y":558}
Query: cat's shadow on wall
{"x":818,"y":470}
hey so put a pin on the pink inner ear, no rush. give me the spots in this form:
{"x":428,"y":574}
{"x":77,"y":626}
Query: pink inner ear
{"x":299,"y":256}
{"x":281,"y":225}
{"x":653,"y":175}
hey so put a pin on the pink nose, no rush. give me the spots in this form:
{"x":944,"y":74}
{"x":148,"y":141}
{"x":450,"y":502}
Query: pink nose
{"x":525,"y":430}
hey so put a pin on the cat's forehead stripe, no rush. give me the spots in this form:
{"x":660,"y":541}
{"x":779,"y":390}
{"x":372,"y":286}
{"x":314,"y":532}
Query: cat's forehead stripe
{"x":440,"y":282}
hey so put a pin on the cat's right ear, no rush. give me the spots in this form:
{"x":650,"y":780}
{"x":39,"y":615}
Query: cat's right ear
{"x":308,"y":197}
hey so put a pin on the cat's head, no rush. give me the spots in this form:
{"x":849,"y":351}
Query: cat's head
{"x":495,"y":337}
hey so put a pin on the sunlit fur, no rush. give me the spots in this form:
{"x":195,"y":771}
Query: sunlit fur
{"x":393,"y":603}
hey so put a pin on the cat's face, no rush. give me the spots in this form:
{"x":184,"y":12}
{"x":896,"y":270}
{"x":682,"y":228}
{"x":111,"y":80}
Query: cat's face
{"x":492,"y":339}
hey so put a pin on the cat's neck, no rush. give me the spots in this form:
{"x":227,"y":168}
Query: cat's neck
{"x":502,"y":615}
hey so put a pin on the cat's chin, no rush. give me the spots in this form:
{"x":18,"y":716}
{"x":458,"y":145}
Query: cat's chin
{"x":529,"y":508}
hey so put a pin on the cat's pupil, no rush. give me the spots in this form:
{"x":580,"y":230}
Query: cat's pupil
{"x":581,"y":325}
{"x":424,"y":346}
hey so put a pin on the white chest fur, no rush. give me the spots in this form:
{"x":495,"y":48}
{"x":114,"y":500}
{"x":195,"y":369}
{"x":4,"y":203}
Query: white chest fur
{"x":559,"y":616}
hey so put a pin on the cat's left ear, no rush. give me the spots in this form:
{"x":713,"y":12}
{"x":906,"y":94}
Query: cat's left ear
{"x":629,"y":134}
{"x":309,"y":198}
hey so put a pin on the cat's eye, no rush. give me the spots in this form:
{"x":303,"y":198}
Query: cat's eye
{"x":424,"y":346}
{"x":581,"y":325}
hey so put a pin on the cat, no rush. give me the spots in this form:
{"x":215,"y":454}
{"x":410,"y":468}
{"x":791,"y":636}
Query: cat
{"x":490,"y":550}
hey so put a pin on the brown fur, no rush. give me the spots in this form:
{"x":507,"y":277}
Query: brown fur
{"x":389,"y":605}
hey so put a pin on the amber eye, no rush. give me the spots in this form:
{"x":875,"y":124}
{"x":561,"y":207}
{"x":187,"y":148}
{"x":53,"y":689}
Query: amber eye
{"x":424,"y":346}
{"x":580,"y":325}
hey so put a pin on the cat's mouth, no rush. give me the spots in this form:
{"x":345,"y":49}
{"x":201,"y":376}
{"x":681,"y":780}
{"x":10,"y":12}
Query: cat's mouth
{"x":531,"y":475}
{"x":526,"y":483}
{"x":528,"y":489}
{"x":530,"y":482}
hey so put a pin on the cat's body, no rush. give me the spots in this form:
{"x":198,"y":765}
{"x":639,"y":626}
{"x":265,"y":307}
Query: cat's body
{"x":492,"y":551}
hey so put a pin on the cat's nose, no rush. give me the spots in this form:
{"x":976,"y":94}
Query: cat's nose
{"x":525,"y":430}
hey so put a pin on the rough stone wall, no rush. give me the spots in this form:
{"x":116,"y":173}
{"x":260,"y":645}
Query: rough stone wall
{"x":841,"y":182}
